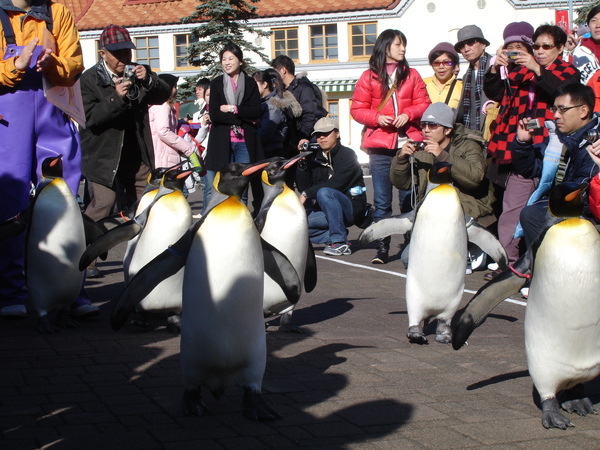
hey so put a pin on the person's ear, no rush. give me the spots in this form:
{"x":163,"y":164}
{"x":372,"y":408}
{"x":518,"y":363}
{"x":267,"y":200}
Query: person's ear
{"x":447,"y":131}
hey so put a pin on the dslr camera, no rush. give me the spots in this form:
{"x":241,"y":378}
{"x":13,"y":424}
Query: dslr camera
{"x":310,"y":147}
{"x":128,"y":73}
{"x":419,"y":145}
{"x":592,"y":135}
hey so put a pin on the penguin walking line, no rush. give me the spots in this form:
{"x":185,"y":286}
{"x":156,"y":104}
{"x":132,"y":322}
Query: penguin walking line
{"x":282,"y":222}
{"x":223,"y":339}
{"x":562,"y":336}
{"x":437,"y":255}
{"x":55,"y":242}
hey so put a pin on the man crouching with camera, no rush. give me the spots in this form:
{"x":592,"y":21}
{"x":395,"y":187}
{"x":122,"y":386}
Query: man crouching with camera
{"x":116,"y":144}
{"x":333,"y":190}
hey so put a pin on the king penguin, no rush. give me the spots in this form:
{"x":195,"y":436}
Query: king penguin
{"x":55,"y":242}
{"x":282,"y":223}
{"x":562,"y":336}
{"x":435,"y":277}
{"x":223,"y":339}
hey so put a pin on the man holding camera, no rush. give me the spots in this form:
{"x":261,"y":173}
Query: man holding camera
{"x":116,"y":144}
{"x":565,"y":159}
{"x":333,"y":190}
{"x":444,"y":141}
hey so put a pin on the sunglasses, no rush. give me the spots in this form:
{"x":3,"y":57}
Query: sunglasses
{"x":442,"y":63}
{"x":470,"y":43}
{"x":544,"y":46}
{"x":562,"y":109}
{"x":432,"y":126}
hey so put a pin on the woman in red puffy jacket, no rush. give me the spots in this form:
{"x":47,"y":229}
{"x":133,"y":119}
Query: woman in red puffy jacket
{"x":389,"y":99}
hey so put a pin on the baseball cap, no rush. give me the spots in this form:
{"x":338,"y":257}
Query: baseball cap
{"x":325,"y":125}
{"x":114,"y":37}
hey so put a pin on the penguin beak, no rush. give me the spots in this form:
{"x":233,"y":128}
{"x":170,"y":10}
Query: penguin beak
{"x":443,"y":169}
{"x":255,"y":168}
{"x":186,"y":173}
{"x":290,"y":162}
{"x":55,"y":161}
{"x":576,"y":193}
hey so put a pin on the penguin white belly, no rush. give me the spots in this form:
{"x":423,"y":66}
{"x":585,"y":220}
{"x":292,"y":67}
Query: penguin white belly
{"x":286,"y":228}
{"x":56,"y":242}
{"x":168,"y":220}
{"x":437,"y":257}
{"x":223,"y":340}
{"x":562,"y":318}
{"x":145,"y":201}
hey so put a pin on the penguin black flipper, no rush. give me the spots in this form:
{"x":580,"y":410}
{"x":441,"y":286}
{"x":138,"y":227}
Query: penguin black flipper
{"x":281,"y":271}
{"x":122,"y":233}
{"x":394,"y":225}
{"x":13,"y":227}
{"x":168,"y":263}
{"x":488,"y":297}
{"x":487,"y":242}
{"x":310,"y":272}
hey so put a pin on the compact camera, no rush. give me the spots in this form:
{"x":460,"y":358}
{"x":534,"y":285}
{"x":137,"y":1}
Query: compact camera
{"x":310,"y":147}
{"x":128,"y":73}
{"x":419,"y":145}
{"x":512,"y":55}
{"x":533,"y":124}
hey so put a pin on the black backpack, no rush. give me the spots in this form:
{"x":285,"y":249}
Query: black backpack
{"x":320,"y":95}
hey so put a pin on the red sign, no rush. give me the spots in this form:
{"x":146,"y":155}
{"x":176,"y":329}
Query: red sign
{"x":562,"y":19}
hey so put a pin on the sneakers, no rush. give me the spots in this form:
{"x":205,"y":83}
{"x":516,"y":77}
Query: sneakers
{"x":13,"y":311}
{"x":383,"y":250}
{"x":337,"y":249}
{"x":93,"y":272}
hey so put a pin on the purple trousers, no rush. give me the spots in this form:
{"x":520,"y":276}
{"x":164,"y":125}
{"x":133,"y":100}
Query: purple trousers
{"x":31,"y":130}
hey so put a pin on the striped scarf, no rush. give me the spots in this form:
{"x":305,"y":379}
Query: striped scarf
{"x":467,"y":86}
{"x":525,"y":100}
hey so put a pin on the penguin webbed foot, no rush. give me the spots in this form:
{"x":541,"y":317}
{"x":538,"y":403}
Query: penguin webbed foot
{"x":286,"y":324}
{"x":416,"y":336}
{"x":577,"y":402}
{"x":552,"y":417}
{"x":443,"y":333}
{"x":46,"y":327}
{"x":174,"y":323}
{"x":256,"y":408}
{"x":191,"y":403}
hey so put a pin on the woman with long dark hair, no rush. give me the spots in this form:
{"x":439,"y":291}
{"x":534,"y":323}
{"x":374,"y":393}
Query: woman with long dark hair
{"x":389,"y":99}
{"x":234,"y":109}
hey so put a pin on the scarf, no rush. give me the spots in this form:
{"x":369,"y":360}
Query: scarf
{"x":234,"y":98}
{"x":468,"y":86}
{"x":525,"y":100}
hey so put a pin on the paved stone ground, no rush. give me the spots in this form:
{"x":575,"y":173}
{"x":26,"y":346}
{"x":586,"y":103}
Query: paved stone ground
{"x":351,"y":380}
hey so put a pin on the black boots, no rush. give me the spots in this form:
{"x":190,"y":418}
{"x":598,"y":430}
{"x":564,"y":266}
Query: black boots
{"x":382,"y":251}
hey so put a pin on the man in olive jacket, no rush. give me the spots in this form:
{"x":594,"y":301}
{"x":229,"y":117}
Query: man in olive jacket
{"x":446,"y":142}
{"x":116,"y":144}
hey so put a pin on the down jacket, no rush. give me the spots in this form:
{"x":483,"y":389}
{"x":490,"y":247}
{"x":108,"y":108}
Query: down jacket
{"x":168,"y":145}
{"x":412,"y":98}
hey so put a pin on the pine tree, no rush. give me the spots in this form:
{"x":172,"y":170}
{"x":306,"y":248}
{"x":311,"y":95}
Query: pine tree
{"x":583,"y":12}
{"x":223,"y":21}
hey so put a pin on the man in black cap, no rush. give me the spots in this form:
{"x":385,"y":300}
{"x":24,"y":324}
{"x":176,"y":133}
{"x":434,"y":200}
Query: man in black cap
{"x":116,"y":144}
{"x":471,"y":44}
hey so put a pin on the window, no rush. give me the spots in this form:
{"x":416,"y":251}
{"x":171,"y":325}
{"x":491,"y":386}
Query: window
{"x":334,"y":109}
{"x":146,"y":51}
{"x":323,"y":43}
{"x":285,"y":42}
{"x":182,"y":42}
{"x":362,"y":40}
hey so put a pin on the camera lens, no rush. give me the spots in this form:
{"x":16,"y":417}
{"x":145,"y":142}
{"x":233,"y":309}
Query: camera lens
{"x":592,"y":135}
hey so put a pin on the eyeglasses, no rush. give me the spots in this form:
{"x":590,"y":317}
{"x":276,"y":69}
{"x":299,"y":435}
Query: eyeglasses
{"x":442,"y":63}
{"x":562,"y":109}
{"x":544,"y":46}
{"x":432,"y":126}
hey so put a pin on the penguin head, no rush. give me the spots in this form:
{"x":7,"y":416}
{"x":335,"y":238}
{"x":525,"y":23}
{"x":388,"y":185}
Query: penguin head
{"x":274,"y":173}
{"x":565,"y":199}
{"x":440,"y":173}
{"x":156,"y":176}
{"x":52,"y":167}
{"x":233,"y":178}
{"x":175,"y":178}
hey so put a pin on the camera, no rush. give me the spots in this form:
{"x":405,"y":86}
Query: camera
{"x":592,"y":135}
{"x":533,"y":124}
{"x":310,"y":147}
{"x":128,"y":73}
{"x":419,"y":145}
{"x":512,"y":55}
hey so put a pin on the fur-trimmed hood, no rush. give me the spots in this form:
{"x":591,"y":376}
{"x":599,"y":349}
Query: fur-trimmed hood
{"x":288,"y":101}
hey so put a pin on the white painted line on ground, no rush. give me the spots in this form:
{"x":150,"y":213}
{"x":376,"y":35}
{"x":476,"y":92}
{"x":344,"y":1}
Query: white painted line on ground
{"x":402,"y":275}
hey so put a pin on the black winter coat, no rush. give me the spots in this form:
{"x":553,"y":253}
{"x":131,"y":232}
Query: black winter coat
{"x":249,"y":111}
{"x":117,"y":132}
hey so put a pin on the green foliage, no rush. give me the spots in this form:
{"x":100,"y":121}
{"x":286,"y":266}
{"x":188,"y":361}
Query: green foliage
{"x":223,"y":21}
{"x":583,"y":12}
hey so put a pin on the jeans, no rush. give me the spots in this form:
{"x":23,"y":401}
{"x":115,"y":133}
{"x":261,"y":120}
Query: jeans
{"x":238,"y":153}
{"x":379,"y":165}
{"x":327,"y":222}
{"x":533,"y":220}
